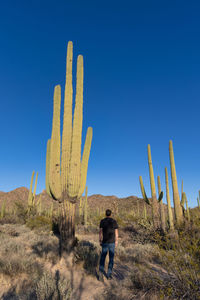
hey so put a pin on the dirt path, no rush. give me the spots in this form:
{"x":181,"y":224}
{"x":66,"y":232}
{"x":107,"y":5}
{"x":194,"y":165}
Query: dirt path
{"x":84,"y":286}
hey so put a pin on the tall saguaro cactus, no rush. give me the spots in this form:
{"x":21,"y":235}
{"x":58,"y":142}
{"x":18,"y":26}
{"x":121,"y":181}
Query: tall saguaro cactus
{"x":176,"y":198}
{"x":66,"y":172}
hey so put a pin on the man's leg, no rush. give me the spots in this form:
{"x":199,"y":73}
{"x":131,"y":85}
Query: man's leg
{"x":111,"y":258}
{"x":103,"y":257}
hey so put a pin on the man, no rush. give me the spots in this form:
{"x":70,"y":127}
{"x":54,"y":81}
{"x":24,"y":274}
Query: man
{"x":108,"y":238}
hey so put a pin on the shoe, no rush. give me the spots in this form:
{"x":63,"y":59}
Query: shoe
{"x":101,"y":277}
{"x":110,"y":277}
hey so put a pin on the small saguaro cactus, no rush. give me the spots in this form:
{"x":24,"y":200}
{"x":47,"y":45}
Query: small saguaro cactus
{"x":177,"y":204}
{"x":170,"y":215}
{"x":31,"y":196}
{"x":187,"y":208}
{"x":162,"y":212}
{"x":146,"y":199}
{"x":3,"y":209}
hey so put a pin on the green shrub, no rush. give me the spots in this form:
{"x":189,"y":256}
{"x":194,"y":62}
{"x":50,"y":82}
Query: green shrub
{"x":39,"y":222}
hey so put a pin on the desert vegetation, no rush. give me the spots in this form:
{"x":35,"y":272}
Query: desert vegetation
{"x":49,"y":245}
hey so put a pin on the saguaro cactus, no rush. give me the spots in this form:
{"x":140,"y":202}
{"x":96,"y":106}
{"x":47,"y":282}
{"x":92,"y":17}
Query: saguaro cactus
{"x":67,"y":180}
{"x":162,"y":212}
{"x":170,"y":216}
{"x":176,"y":198}
{"x":65,"y":171}
{"x":147,"y":200}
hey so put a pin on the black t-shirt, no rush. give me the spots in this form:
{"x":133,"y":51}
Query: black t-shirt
{"x":109,"y":225}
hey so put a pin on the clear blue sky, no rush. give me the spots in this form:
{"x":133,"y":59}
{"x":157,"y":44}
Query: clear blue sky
{"x":141,"y":86}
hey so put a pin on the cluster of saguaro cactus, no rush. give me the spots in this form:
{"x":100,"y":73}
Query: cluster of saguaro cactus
{"x":65,"y":171}
{"x":154,"y":202}
{"x":178,"y":205}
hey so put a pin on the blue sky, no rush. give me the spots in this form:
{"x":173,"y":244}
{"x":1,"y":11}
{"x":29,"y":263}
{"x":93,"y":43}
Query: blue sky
{"x":141,"y":86}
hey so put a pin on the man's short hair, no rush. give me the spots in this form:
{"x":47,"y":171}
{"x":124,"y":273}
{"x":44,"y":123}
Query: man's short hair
{"x":108,"y":212}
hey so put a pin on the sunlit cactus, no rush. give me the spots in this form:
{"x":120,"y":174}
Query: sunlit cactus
{"x":162,"y":212}
{"x":67,"y":180}
{"x":176,"y":199}
{"x":170,"y":215}
{"x":187,"y":208}
{"x":30,"y":194}
{"x":66,"y":172}
{"x":34,"y":191}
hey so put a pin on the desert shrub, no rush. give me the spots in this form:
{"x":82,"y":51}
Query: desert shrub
{"x":52,"y":287}
{"x":47,"y":248}
{"x":88,"y":253}
{"x":38,"y":222}
{"x":21,"y":211}
{"x":16,"y":264}
{"x":138,"y":253}
{"x":184,"y":275}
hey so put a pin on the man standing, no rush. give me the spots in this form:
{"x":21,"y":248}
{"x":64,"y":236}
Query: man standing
{"x":108,"y":238}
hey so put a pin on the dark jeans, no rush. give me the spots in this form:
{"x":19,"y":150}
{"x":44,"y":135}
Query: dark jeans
{"x":105,"y":248}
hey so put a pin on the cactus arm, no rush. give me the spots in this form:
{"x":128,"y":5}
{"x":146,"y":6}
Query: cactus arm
{"x":143,"y":191}
{"x":54,"y":169}
{"x":85,"y":158}
{"x":160,"y":196}
{"x":75,"y":162}
{"x":67,"y":121}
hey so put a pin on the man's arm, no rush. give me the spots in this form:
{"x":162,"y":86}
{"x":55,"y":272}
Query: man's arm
{"x":100,"y":235}
{"x":116,"y":237}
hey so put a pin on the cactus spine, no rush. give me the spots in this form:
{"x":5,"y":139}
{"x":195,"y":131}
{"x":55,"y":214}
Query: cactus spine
{"x":177,"y":206}
{"x":162,"y":212}
{"x":170,"y":216}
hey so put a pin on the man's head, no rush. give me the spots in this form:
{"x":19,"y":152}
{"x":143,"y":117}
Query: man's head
{"x":108,"y":212}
